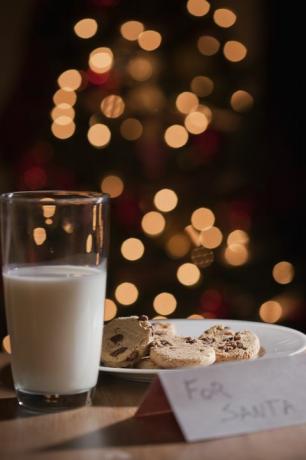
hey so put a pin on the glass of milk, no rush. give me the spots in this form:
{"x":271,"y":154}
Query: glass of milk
{"x":54,"y":251}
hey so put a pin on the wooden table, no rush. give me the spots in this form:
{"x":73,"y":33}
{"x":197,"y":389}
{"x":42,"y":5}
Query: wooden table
{"x":108,"y":431}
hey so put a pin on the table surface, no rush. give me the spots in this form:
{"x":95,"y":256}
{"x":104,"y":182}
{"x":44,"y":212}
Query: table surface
{"x":107,"y":430}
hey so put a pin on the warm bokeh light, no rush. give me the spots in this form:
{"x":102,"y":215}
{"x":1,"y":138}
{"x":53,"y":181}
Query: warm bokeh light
{"x":164,"y":303}
{"x":234,"y":51}
{"x":165,"y":200}
{"x":126,"y":293}
{"x":112,"y":106}
{"x":101,"y":60}
{"x":237,"y":237}
{"x":176,"y":136}
{"x":283,"y":272}
{"x":211,"y":238}
{"x":48,"y":209}
{"x":153,"y":223}
{"x":89,"y":243}
{"x":39,"y":235}
{"x":140,"y":68}
{"x":241,"y":101}
{"x":202,"y":86}
{"x":113,"y":185}
{"x":132,"y":249}
{"x":63,"y":131}
{"x":110,"y":310}
{"x":62,"y":96}
{"x":99,"y":135}
{"x":208,"y":45}
{"x":6,"y":344}
{"x":198,"y":7}
{"x":270,"y":311}
{"x":86,"y":28}
{"x":62,"y":109}
{"x":131,"y":30}
{"x":178,"y":245}
{"x":149,"y":40}
{"x":224,"y":17}
{"x":186,"y":102}
{"x":188,"y":274}
{"x":131,"y":129}
{"x":202,"y":219}
{"x":68,"y":227}
{"x":196,"y":122}
{"x":236,"y":254}
{"x":195,"y":316}
{"x":70,"y":80}
{"x":207,"y":112}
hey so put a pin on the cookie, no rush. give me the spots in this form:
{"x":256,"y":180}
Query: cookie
{"x":230,"y":345}
{"x":170,"y":352}
{"x":126,"y":340}
{"x":162,"y":327}
{"x":146,"y":363}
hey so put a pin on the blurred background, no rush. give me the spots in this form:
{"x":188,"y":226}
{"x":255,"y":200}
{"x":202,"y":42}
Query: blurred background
{"x":184,"y":112}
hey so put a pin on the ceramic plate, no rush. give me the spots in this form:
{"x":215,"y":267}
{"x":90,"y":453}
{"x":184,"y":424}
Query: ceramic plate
{"x":275,"y":341}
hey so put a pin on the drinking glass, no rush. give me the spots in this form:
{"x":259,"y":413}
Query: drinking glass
{"x":54,"y":250}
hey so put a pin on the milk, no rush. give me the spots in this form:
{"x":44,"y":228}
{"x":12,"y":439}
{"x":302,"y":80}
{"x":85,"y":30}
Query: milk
{"x":55,"y":318}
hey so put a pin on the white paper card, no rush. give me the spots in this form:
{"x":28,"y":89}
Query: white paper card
{"x":235,"y":398}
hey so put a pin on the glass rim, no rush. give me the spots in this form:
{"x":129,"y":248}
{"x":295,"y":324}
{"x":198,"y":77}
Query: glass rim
{"x":58,"y":196}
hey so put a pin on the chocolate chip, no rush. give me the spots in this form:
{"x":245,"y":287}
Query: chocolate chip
{"x":143,"y":318}
{"x":134,"y":355}
{"x":116,"y":338}
{"x":230,"y":338}
{"x":239,"y":345}
{"x":164,"y":342}
{"x":237,"y":337}
{"x":227,"y":333}
{"x":118,"y":351}
{"x":190,"y":340}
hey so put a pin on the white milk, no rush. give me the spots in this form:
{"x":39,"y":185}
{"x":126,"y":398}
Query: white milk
{"x":55,"y":318}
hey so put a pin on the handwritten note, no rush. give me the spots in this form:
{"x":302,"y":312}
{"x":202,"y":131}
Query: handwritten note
{"x":232,"y":398}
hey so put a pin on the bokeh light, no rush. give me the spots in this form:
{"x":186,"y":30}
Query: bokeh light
{"x":208,"y":45}
{"x":198,"y":7}
{"x":238,"y":237}
{"x":241,"y":101}
{"x":270,"y":311}
{"x":110,"y":310}
{"x":153,"y":223}
{"x":178,"y":245}
{"x":99,"y":135}
{"x":196,"y":122}
{"x":68,"y":227}
{"x":101,"y":60}
{"x":39,"y":235}
{"x":202,"y":86}
{"x":63,"y":131}
{"x":149,"y":40}
{"x":86,"y":28}
{"x":140,"y":68}
{"x":283,"y":272}
{"x":89,"y":243}
{"x":112,"y":106}
{"x":188,"y":274}
{"x":165,"y":200}
{"x":131,"y":129}
{"x":211,"y":238}
{"x":202,"y":219}
{"x":207,"y":112}
{"x":164,"y":303}
{"x":62,"y":109}
{"x":126,"y":293}
{"x":62,"y":96}
{"x":113,"y":185}
{"x":224,"y":17}
{"x":186,"y":102}
{"x":70,"y":80}
{"x":131,"y":30}
{"x":6,"y":344}
{"x":48,"y":209}
{"x":234,"y":51}
{"x":236,"y":254}
{"x":176,"y":136}
{"x":132,"y":249}
{"x":195,"y":316}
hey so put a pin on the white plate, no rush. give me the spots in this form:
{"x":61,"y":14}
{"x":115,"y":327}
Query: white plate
{"x":275,"y":341}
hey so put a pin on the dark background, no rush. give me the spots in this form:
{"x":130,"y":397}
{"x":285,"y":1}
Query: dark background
{"x":252,"y":177}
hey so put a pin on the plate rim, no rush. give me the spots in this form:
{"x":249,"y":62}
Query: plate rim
{"x":135,"y":372}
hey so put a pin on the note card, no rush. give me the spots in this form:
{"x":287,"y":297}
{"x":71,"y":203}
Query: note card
{"x":231,"y":398}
